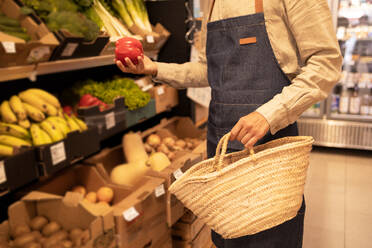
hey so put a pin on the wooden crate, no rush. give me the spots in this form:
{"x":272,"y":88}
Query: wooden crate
{"x":202,"y":240}
{"x":187,"y":231}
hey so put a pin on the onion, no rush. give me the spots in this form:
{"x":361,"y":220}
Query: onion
{"x":163,"y":148}
{"x":169,"y":141}
{"x":181,"y":143}
{"x":153,"y":140}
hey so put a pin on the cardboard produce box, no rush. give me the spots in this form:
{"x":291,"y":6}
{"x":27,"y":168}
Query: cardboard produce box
{"x":72,"y":47}
{"x":165,"y":97}
{"x":61,"y":154}
{"x":15,"y":51}
{"x":187,"y":231}
{"x":18,"y":170}
{"x":151,"y":43}
{"x":133,"y":233}
{"x":69,"y":211}
{"x":53,"y":157}
{"x":180,"y":127}
{"x":107,"y":159}
{"x":108,"y":122}
{"x":115,"y":119}
{"x":177,"y":127}
{"x":136,"y":214}
{"x":175,"y":208}
{"x":202,"y":240}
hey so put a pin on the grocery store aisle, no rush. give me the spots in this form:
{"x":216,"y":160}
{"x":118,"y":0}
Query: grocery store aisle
{"x":338,"y":196}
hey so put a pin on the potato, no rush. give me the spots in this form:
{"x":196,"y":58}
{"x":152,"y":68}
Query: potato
{"x":23,"y":240}
{"x":50,"y":243}
{"x":181,"y":143}
{"x":163,"y":148}
{"x":37,"y":235}
{"x":75,"y":233}
{"x":148,"y":148}
{"x":38,"y":223}
{"x":66,"y":244}
{"x":189,"y":145}
{"x":33,"y":245}
{"x":85,"y":237}
{"x":172,"y":156}
{"x":51,"y":228}
{"x":20,"y":230}
{"x":59,"y":236}
{"x":153,"y":140}
{"x":169,"y":142}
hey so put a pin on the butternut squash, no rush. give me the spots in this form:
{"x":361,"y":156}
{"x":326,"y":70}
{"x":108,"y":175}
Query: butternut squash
{"x":134,"y":149}
{"x":158,"y":161}
{"x":128,"y":174}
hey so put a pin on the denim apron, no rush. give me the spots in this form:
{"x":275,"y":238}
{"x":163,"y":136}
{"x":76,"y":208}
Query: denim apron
{"x":244,"y":74}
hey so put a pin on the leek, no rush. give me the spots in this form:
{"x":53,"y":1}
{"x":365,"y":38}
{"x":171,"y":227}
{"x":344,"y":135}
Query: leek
{"x":144,"y":15}
{"x":111,"y":24}
{"x":136,"y":17}
{"x":123,"y":12}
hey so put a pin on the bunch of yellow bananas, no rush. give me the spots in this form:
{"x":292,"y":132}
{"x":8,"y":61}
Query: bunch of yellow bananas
{"x":48,"y":123}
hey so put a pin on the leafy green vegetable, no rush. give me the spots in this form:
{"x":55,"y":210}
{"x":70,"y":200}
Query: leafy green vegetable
{"x":64,"y":14}
{"x":84,"y":4}
{"x":75,"y":23}
{"x":92,"y":14}
{"x":108,"y":90}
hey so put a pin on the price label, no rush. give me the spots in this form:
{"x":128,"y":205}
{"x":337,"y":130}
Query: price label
{"x":130,"y":214}
{"x":177,"y":174}
{"x":160,"y":190}
{"x":147,"y":87}
{"x":110,"y":120}
{"x":69,"y":49}
{"x":58,"y":153}
{"x":2,"y":172}
{"x":161,"y":90}
{"x":9,"y":46}
{"x":150,"y":39}
{"x":38,"y":53}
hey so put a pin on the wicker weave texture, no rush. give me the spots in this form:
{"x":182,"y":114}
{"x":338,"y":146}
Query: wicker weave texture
{"x":243,"y":193}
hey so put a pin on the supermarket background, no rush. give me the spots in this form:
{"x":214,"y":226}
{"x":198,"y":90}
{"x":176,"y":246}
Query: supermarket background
{"x":339,"y":182}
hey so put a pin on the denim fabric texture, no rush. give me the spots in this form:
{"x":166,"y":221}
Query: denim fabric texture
{"x":242,"y":78}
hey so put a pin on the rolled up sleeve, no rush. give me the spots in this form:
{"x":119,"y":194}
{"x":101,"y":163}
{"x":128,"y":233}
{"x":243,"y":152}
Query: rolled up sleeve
{"x":310,"y":23}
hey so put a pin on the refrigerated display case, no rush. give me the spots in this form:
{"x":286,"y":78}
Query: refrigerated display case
{"x":344,"y":119}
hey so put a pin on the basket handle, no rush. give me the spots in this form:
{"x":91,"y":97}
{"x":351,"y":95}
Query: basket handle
{"x":221,"y":151}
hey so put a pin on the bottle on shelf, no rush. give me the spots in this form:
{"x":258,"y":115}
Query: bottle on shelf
{"x":355,"y":101}
{"x":344,"y":100}
{"x":364,"y":105}
{"x":335,"y":103}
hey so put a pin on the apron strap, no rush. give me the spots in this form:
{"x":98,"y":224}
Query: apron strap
{"x":258,"y":5}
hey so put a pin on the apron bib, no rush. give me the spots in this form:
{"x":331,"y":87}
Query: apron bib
{"x":244,"y":74}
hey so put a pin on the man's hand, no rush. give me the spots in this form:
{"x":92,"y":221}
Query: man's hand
{"x":144,"y":66}
{"x":249,"y":129}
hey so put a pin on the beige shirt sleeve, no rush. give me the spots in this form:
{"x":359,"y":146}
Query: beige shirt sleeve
{"x":310,"y":23}
{"x":190,"y":74}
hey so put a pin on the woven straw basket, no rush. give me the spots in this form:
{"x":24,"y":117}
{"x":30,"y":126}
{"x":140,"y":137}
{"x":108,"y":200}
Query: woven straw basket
{"x":246,"y":192}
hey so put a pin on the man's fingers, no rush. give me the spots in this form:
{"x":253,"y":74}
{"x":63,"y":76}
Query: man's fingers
{"x":242,"y":133}
{"x":246,"y":138}
{"x":141,"y":64}
{"x":121,"y":66}
{"x":235,"y":131}
{"x":130,"y":65}
{"x":251,"y":142}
